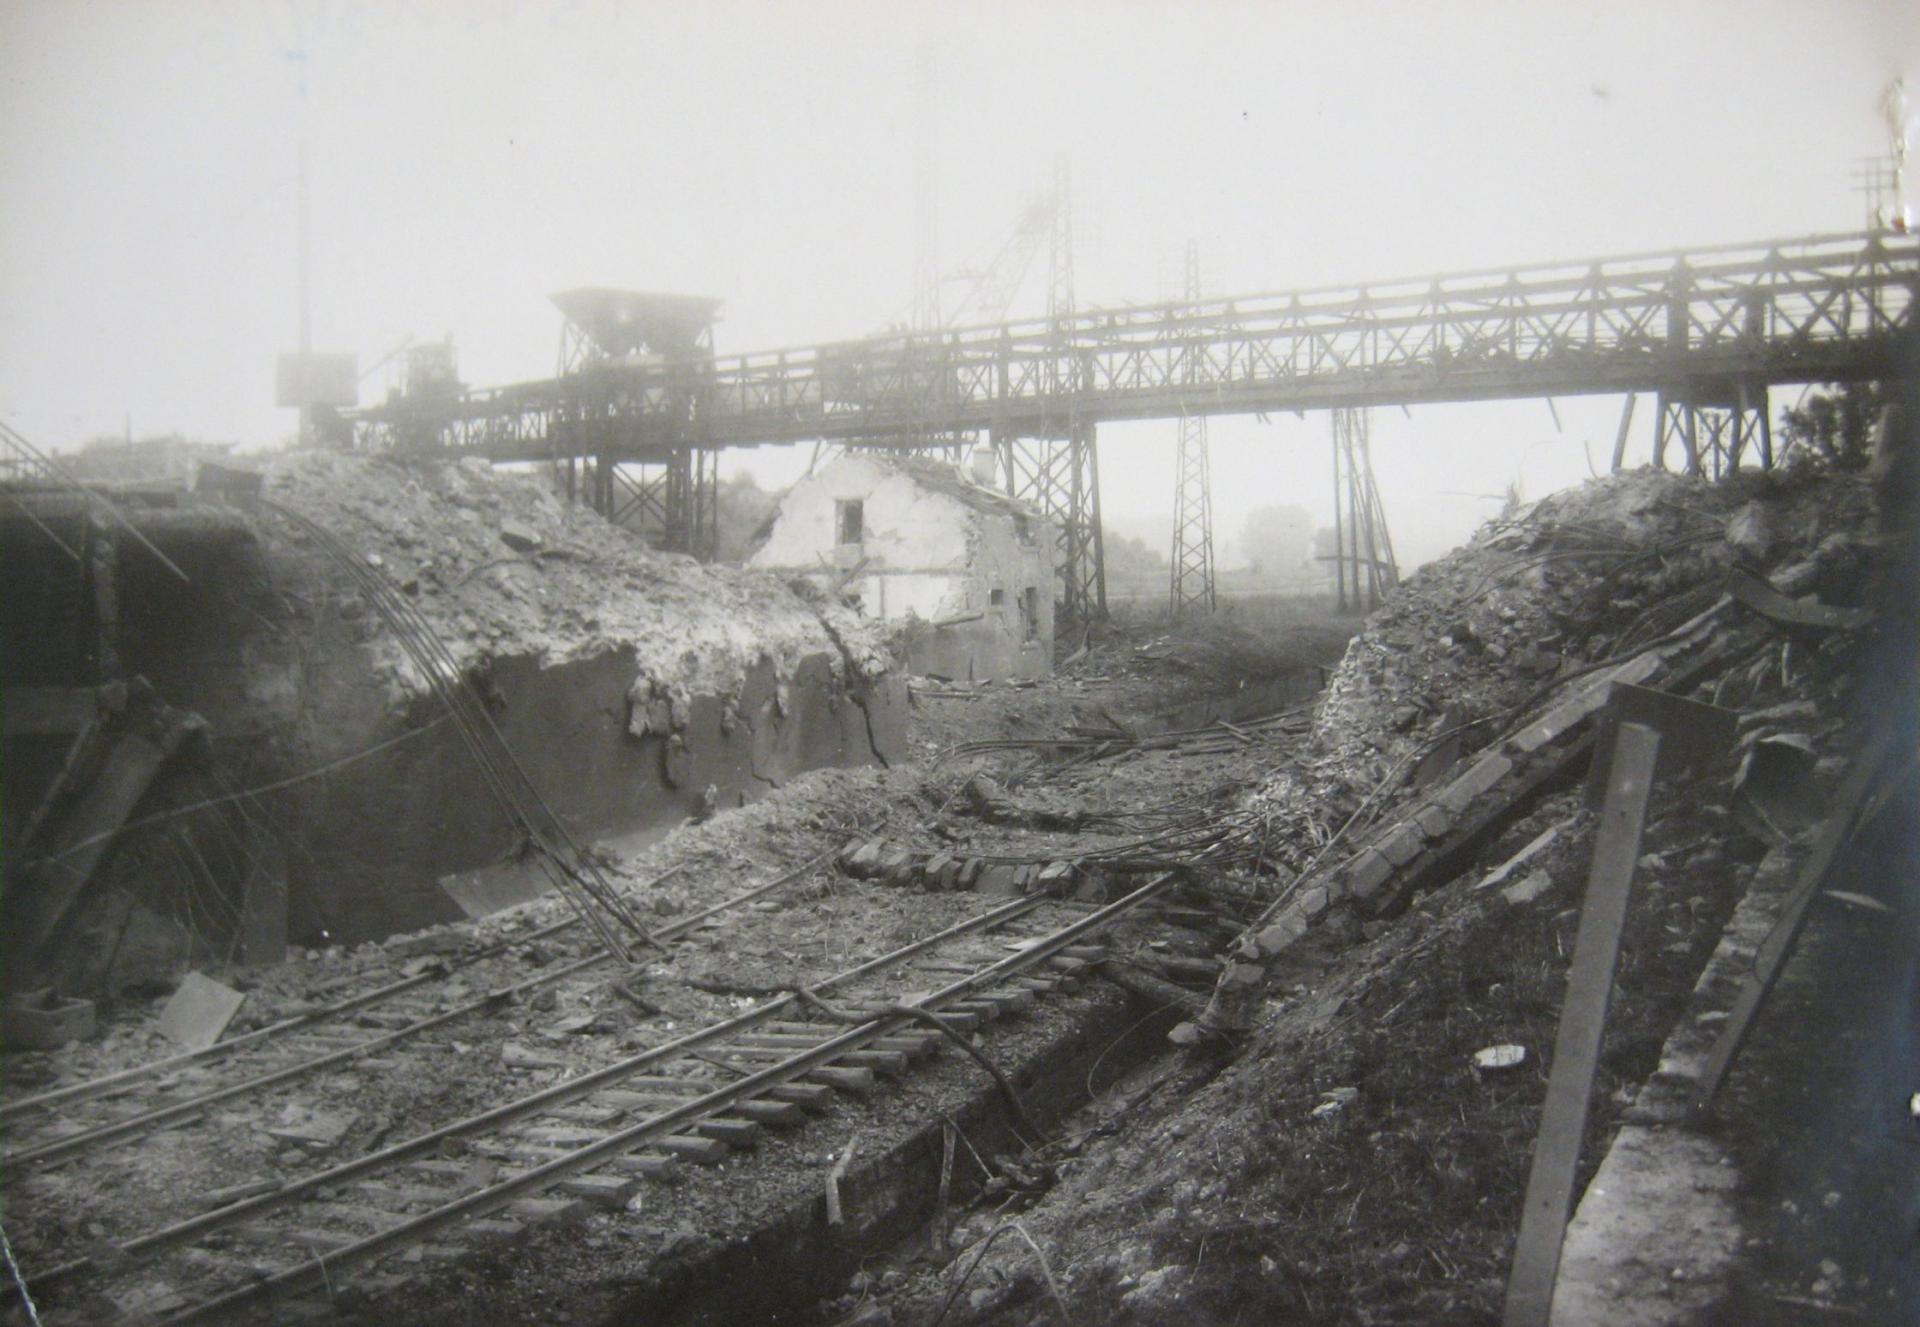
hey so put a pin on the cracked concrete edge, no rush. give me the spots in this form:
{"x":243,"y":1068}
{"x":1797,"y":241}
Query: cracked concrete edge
{"x":1656,"y":1231}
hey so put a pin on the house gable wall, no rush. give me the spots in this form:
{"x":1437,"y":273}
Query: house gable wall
{"x":928,"y":555}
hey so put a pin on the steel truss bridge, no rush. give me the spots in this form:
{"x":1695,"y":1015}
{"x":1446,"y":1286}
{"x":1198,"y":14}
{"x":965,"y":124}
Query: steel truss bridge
{"x":1707,"y":331}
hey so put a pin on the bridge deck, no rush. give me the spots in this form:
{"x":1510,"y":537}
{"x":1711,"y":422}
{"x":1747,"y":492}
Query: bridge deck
{"x":1697,"y":323}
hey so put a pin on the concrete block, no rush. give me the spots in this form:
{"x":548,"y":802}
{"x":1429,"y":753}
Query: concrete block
{"x":866,"y":858}
{"x":1313,"y":902}
{"x":198,"y":1012}
{"x":1527,"y":889}
{"x":934,"y":873}
{"x":969,"y":873}
{"x":1402,"y":844}
{"x":1277,"y":937}
{"x":1557,"y":720}
{"x":1434,"y":820}
{"x":44,"y":1022}
{"x":1242,"y":975}
{"x":1367,"y":873}
{"x":1468,"y":788}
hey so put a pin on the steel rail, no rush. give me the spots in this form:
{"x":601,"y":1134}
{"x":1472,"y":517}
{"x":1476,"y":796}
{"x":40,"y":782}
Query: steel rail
{"x":534,"y":1103}
{"x":316,"y":1270}
{"x":107,"y":1084}
{"x":147,"y":1121}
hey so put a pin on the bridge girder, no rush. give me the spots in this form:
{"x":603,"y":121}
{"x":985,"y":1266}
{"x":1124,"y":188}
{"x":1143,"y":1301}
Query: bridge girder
{"x":1820,"y":309}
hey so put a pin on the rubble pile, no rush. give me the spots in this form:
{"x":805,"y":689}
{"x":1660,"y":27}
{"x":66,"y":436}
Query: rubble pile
{"x":503,"y":567}
{"x":1338,"y":1148}
{"x":1553,"y":593}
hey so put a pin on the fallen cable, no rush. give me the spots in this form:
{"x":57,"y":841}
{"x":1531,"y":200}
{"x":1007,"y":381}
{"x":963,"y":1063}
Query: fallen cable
{"x":20,"y":1282}
{"x":939,"y":1024}
{"x":1046,"y":1270}
{"x":572,"y":874}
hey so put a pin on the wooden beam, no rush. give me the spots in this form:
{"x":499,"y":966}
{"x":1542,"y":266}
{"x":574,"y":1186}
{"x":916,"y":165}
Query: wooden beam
{"x":1583,"y":1018}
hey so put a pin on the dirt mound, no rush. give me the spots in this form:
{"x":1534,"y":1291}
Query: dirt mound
{"x":503,"y":567}
{"x":1592,"y":574}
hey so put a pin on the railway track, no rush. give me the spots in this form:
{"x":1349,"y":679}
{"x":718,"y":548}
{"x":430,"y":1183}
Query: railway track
{"x":704,"y":1096}
{"x":355,"y":1030}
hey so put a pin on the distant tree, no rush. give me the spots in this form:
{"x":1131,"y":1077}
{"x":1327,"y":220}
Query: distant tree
{"x":1833,"y":426}
{"x":1326,"y":553}
{"x":1278,"y":541}
{"x":743,"y":509}
{"x":1130,"y":558}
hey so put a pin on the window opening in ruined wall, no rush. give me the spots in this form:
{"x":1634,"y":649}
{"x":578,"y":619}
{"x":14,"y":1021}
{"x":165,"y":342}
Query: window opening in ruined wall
{"x":850,"y":516}
{"x":1030,"y":612}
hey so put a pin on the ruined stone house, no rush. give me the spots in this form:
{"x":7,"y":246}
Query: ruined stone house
{"x":966,"y":570}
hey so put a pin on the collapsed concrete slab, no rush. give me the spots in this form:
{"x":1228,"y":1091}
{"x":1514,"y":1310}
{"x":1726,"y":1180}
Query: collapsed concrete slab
{"x":635,"y":688}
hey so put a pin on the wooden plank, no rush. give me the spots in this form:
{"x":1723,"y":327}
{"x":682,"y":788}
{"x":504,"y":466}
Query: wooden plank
{"x":809,"y":1096}
{"x":845,"y":1077}
{"x":646,"y":1164}
{"x":700,"y":1151}
{"x":1583,"y":1018}
{"x":769,"y":1112}
{"x":609,"y":1191}
{"x":742,"y":1134}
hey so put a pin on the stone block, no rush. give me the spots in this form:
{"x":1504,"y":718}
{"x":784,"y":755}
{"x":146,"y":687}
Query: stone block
{"x":1434,"y":820}
{"x":1367,"y":873}
{"x":44,"y":1021}
{"x":1402,"y":844}
{"x":1277,"y":937}
{"x":199,"y":1011}
{"x":1313,"y":902}
{"x":1480,"y":779}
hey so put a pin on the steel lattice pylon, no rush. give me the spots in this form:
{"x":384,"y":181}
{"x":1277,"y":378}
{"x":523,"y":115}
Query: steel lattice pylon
{"x":1714,"y":431}
{"x":1191,"y":587}
{"x":1061,"y":476}
{"x":1363,"y":551}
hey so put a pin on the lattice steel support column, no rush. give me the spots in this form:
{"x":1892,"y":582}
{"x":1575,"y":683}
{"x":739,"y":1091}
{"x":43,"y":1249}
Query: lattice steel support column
{"x":692,"y":502}
{"x":1061,"y":476}
{"x":1192,"y":578}
{"x":1362,"y":545}
{"x":1191,"y":587}
{"x":1713,"y":433}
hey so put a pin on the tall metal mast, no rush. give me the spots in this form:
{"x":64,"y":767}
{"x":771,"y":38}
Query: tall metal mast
{"x":1192,"y":589}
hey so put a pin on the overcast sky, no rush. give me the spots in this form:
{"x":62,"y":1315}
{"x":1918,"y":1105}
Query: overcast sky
{"x":470,"y":158}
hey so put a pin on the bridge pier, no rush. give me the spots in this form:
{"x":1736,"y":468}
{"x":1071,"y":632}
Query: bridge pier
{"x":1061,"y":476}
{"x":672,"y":501}
{"x":1714,"y":427}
